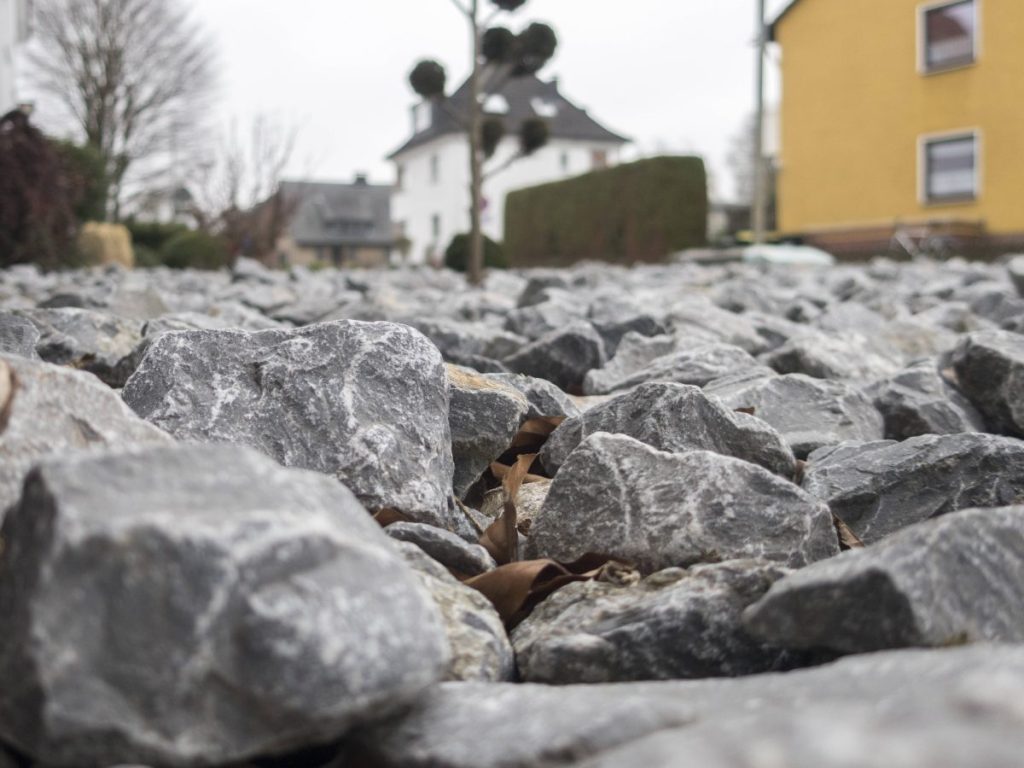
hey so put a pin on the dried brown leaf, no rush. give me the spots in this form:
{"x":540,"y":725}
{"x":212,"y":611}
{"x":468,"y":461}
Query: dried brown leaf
{"x":501,"y":538}
{"x":516,"y":588}
{"x":388,"y":516}
{"x":847,"y":538}
{"x":748,"y":411}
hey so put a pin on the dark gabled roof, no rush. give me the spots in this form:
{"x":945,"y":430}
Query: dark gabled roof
{"x":522,"y":95}
{"x":329,"y":214}
{"x":782,"y":14}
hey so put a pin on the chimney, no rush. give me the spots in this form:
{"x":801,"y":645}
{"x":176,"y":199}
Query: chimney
{"x":361,"y":180}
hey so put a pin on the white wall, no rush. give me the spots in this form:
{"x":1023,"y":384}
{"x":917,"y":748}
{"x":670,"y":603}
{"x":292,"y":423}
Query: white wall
{"x":13,"y":30}
{"x":419,"y":199}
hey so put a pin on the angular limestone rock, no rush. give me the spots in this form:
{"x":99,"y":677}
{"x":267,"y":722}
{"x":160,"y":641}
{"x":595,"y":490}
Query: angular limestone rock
{"x":943,"y":582}
{"x":18,"y":336}
{"x":989,"y":367}
{"x":809,"y":413}
{"x":878,"y":488}
{"x":484,"y":416}
{"x":825,"y":717}
{"x":445,"y":547}
{"x":563,"y":357}
{"x":618,"y":496}
{"x":674,"y":418}
{"x":365,"y":402}
{"x":50,"y":410}
{"x":480,"y":650}
{"x":674,"y":624}
{"x":696,"y":366}
{"x":545,"y":398}
{"x":196,"y":605}
{"x":918,"y":401}
{"x":91,"y":341}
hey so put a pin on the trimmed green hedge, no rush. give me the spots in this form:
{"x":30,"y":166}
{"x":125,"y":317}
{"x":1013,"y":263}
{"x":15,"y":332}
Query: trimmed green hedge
{"x":639,"y":212}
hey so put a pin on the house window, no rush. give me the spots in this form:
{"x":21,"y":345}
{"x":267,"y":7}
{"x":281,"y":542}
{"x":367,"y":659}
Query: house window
{"x":435,"y":226}
{"x":599,"y":158}
{"x":435,"y":169}
{"x":565,"y":162}
{"x":949,"y":35}
{"x":950,"y":168}
{"x":400,"y":180}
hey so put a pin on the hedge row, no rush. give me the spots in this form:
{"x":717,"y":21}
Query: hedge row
{"x":638,"y":212}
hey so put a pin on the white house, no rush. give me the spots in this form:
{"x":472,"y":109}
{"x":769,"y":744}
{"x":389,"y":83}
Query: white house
{"x":14,"y":28}
{"x":431,"y":200}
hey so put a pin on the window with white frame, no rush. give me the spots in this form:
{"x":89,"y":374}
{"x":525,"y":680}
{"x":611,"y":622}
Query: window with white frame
{"x":950,"y":168}
{"x":435,"y":169}
{"x":949,"y":35}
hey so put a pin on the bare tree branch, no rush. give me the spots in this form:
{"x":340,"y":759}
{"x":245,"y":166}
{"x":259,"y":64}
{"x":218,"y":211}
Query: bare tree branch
{"x":465,"y":10}
{"x":134,"y":75}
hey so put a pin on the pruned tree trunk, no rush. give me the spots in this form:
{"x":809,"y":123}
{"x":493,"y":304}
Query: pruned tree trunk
{"x":476,"y":235}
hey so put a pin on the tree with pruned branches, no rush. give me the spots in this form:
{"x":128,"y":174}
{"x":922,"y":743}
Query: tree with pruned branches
{"x":133,"y":74}
{"x":498,"y":54}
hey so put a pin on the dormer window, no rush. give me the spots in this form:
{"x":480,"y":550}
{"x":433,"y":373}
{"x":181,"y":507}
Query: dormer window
{"x":948,"y":35}
{"x":422,"y":116}
{"x":544,"y":108}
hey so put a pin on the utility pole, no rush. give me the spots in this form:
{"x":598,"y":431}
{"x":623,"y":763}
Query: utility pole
{"x":759,"y":214}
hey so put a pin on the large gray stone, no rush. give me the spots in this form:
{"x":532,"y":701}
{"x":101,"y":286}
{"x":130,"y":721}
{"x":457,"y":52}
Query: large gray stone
{"x":484,"y":416}
{"x":674,"y":624}
{"x":365,"y":402}
{"x":18,"y":336}
{"x":618,"y":496}
{"x":878,"y":488}
{"x":762,"y":721}
{"x":50,"y":410}
{"x":989,"y":368}
{"x":809,"y":413}
{"x":949,"y":581}
{"x":850,"y":356}
{"x":634,"y":353}
{"x":696,"y":366}
{"x":918,"y":401}
{"x":91,"y":341}
{"x":838,"y":735}
{"x":563,"y":357}
{"x":479,"y":647}
{"x":674,"y":418}
{"x":197,"y":605}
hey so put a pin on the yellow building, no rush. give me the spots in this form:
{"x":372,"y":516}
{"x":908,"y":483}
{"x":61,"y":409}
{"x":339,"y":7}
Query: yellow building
{"x":902,"y":117}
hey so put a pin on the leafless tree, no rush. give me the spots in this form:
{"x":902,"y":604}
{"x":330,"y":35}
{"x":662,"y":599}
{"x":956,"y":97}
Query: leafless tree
{"x":740,"y":160}
{"x":237,"y":192}
{"x":135,"y":76}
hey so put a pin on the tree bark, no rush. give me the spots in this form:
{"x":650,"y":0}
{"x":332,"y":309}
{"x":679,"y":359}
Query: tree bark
{"x":476,"y":237}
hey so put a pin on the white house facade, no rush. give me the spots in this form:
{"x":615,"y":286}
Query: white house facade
{"x":432,"y":199}
{"x":14,"y":29}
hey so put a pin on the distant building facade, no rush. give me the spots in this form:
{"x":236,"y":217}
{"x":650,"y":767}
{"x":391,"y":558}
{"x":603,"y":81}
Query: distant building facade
{"x":432,"y":199}
{"x":902,"y":116}
{"x":342,"y":225}
{"x":15,"y":16}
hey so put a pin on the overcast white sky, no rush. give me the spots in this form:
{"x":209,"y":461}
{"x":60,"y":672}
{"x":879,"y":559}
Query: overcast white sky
{"x":674,"y":75}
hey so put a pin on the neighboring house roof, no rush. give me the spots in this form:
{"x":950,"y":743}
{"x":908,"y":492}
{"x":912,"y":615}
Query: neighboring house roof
{"x":782,"y":14}
{"x":328,"y":214}
{"x":525,"y":97}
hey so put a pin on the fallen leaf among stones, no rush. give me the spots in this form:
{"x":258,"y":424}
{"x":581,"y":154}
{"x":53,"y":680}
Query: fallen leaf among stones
{"x":847,"y":538}
{"x":516,"y":588}
{"x":388,"y":516}
{"x":501,"y":539}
